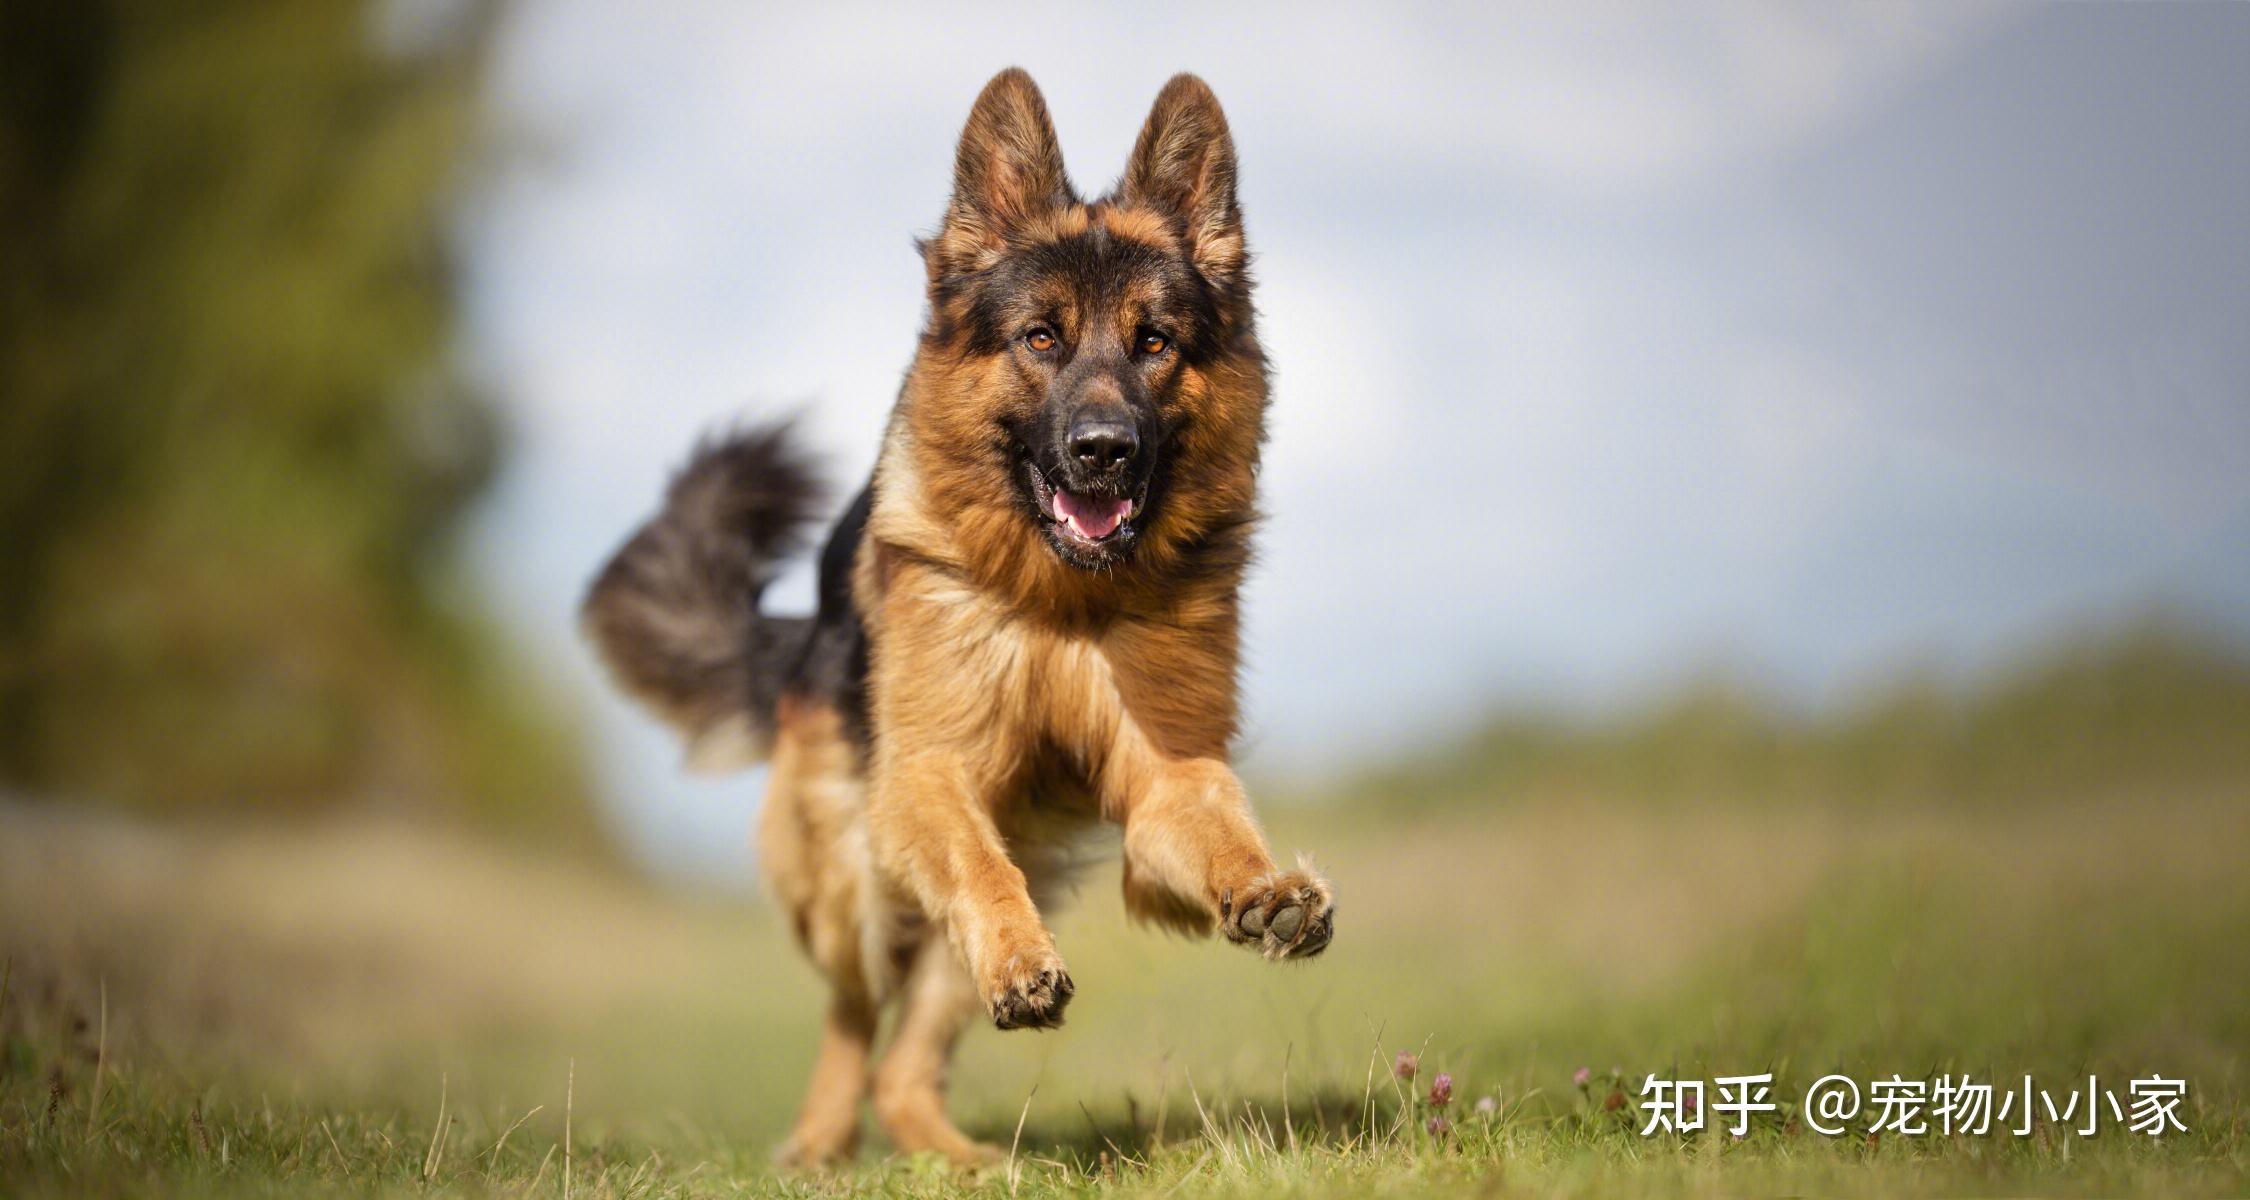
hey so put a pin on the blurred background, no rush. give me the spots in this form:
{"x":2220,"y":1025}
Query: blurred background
{"x":1832,"y":411}
{"x":1808,"y":352}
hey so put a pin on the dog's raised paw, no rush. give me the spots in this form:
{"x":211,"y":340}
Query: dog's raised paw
{"x":1031,"y":995}
{"x":1289,"y":915}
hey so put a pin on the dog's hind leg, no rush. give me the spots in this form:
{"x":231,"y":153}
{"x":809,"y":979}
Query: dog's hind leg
{"x":936,"y":1004}
{"x":827,"y":1128}
{"x":815,"y":856}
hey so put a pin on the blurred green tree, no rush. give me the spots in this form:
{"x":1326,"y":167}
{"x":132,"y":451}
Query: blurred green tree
{"x":234,"y":452}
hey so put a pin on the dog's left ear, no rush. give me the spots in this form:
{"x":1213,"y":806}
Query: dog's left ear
{"x":1183,"y":167}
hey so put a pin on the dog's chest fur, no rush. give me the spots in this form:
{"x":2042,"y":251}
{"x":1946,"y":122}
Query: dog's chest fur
{"x":1043,"y":707}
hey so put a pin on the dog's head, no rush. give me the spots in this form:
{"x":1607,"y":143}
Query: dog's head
{"x":1091,"y":366}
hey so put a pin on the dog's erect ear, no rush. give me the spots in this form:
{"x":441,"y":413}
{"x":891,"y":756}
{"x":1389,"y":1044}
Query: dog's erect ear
{"x":1008,"y":171}
{"x":1183,"y":167}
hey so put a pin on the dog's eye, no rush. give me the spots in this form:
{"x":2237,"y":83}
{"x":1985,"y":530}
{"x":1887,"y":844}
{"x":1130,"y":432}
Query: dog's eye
{"x":1041,"y":340}
{"x":1154,"y":343}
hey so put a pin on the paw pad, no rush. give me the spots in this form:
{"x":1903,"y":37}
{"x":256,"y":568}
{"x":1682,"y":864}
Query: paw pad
{"x":1289,"y":916}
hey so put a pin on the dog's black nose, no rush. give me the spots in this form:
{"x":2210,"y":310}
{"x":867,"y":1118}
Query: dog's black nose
{"x":1102,"y":443}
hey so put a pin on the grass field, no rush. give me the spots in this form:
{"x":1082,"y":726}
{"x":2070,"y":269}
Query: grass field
{"x":376,"y":1009}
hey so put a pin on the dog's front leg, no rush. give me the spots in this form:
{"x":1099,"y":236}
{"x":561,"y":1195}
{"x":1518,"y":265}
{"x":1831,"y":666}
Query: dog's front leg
{"x":932,"y":831}
{"x":1194,"y":858}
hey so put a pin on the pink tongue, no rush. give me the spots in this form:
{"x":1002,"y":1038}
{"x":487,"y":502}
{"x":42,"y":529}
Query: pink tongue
{"x":1088,"y":517}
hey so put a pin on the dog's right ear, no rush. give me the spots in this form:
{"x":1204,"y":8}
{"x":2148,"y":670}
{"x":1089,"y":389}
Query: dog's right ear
{"x":1008,"y":171}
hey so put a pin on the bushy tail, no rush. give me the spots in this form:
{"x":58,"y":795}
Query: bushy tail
{"x":675,"y":613}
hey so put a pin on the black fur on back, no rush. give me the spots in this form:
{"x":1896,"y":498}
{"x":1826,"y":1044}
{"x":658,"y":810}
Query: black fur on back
{"x":675,"y":613}
{"x":834,"y":667}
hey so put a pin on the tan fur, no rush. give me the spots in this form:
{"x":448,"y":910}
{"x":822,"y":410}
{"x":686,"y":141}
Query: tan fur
{"x":1136,"y":224}
{"x":813,"y":842}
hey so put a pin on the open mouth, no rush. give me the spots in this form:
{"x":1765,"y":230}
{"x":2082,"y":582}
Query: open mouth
{"x":1087,"y":518}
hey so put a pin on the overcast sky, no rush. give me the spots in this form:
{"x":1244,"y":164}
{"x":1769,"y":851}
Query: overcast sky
{"x":1607,"y":340}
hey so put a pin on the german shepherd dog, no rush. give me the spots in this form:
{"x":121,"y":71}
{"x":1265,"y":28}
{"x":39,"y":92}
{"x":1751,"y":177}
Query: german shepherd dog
{"x":1027,"y":620}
